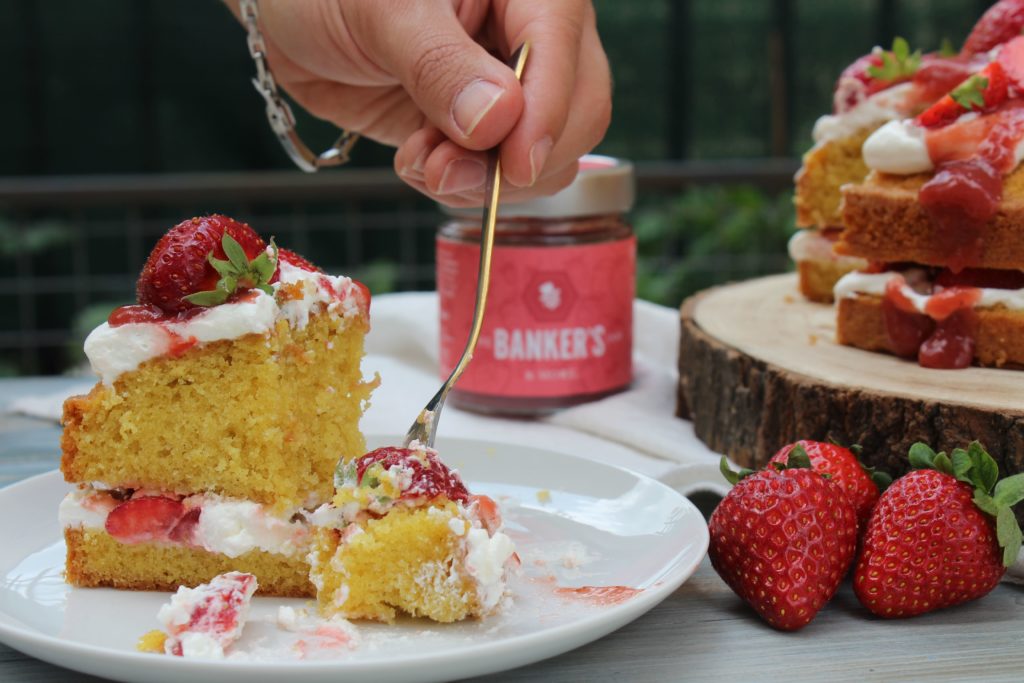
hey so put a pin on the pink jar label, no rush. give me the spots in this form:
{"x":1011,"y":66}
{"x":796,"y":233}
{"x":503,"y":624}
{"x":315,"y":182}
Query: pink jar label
{"x":559,"y":320}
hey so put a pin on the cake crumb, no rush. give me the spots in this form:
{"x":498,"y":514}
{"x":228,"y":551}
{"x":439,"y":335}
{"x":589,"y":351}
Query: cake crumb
{"x":789,"y":299}
{"x":153,"y":641}
{"x":812,"y":339}
{"x":544,"y":496}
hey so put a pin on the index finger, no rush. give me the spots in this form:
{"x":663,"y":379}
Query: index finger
{"x":555,"y":31}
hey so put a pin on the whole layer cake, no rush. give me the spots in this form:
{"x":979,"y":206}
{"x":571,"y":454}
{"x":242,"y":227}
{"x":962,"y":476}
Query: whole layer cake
{"x":226,"y":397}
{"x":940,"y":219}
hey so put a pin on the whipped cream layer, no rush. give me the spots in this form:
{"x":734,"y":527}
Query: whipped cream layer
{"x":226,"y":526}
{"x":852,"y":284}
{"x":813,"y":245}
{"x":487,"y":557}
{"x":885,"y":105}
{"x":900,"y":148}
{"x":298,"y":294}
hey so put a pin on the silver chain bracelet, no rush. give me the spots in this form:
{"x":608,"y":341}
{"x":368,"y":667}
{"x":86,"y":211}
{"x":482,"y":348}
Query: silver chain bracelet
{"x":279,"y":114}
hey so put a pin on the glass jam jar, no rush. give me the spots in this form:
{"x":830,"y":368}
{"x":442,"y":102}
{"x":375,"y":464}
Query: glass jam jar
{"x":558,"y":329}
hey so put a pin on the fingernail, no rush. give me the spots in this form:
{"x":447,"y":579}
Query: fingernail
{"x":538,"y":156}
{"x":472,"y":104}
{"x":420,"y":162}
{"x":414,"y":171}
{"x":461,"y":175}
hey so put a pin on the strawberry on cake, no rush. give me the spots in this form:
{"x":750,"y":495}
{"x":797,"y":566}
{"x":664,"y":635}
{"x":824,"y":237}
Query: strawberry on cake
{"x":403,"y":535}
{"x":941,"y":220}
{"x":227,"y":394}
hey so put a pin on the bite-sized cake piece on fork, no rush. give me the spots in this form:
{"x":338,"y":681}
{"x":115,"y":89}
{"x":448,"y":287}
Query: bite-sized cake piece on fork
{"x":404,"y":536}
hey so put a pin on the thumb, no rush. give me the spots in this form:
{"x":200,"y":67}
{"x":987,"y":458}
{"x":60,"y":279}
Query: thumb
{"x":471,"y":96}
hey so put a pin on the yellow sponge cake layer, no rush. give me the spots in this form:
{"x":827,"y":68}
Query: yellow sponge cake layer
{"x":264,"y":417}
{"x":884,"y":222}
{"x":97,"y":559}
{"x":999,"y":341}
{"x":826,"y":167}
{"x":403,"y":562}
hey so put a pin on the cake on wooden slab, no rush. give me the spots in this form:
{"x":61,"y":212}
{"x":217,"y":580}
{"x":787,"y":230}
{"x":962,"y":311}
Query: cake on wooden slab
{"x":941,"y":221}
{"x":226,"y":397}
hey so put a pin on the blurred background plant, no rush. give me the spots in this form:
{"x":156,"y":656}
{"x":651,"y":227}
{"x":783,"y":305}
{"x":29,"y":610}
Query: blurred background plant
{"x":130,"y":115}
{"x":707,"y":236}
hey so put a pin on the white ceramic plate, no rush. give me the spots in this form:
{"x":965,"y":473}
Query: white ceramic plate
{"x":575,"y":522}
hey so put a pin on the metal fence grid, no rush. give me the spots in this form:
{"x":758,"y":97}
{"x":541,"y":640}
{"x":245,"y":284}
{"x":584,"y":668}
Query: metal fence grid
{"x":76,"y":243}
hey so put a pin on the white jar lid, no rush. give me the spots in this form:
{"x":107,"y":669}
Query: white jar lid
{"x":605,"y":185}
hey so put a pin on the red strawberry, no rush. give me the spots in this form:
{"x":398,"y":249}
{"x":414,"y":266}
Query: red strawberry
{"x":1003,"y":21}
{"x":185,"y":530}
{"x":429,"y":477}
{"x":861,"y":484}
{"x":983,"y":91}
{"x":1011,"y":57}
{"x":783,"y":539}
{"x":150,"y":518}
{"x":934,"y":538}
{"x":487,"y":511}
{"x":291,"y":258}
{"x":364,"y":293}
{"x":875,"y":72}
{"x":202,"y":262}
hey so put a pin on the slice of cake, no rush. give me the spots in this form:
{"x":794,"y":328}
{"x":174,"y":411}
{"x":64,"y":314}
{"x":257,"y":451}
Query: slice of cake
{"x":226,"y":397}
{"x":404,"y":536}
{"x":941,"y":219}
{"x":882,"y":86}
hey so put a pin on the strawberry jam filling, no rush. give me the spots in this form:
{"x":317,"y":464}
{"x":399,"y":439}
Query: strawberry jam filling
{"x":933,"y":318}
{"x":972,"y":135}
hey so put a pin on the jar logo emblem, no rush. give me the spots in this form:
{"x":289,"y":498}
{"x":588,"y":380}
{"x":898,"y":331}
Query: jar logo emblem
{"x":549,"y":296}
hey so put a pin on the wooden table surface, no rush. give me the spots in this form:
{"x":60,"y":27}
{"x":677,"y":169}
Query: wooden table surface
{"x":701,"y":633}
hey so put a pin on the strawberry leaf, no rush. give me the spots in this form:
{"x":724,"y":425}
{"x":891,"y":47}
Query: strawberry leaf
{"x":1009,"y":535}
{"x":730,"y":476}
{"x":922,"y":457}
{"x":1010,"y":491}
{"x":237,"y":272}
{"x":962,"y":465}
{"x":264,"y":264}
{"x":233,"y":250}
{"x":985,"y":503}
{"x":881,"y":479}
{"x":946,"y":49}
{"x":213,"y":297}
{"x":220,"y":265}
{"x":985,"y":470}
{"x":971,"y":93}
{"x":798,"y":459}
{"x":898,"y":63}
{"x":942,"y":463}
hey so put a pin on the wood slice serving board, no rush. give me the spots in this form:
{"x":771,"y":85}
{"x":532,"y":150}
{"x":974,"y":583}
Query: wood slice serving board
{"x":759,"y":367}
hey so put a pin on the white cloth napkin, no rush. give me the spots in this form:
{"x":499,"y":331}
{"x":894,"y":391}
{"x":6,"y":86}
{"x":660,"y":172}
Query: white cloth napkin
{"x":636,"y":429}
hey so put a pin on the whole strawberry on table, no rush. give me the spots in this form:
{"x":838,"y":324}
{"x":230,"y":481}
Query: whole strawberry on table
{"x":784,"y":537}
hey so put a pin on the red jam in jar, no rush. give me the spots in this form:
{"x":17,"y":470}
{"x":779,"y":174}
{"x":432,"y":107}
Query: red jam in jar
{"x":558,"y":330}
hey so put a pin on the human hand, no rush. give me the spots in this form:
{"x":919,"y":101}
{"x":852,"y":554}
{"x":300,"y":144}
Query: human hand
{"x":417,"y":74}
